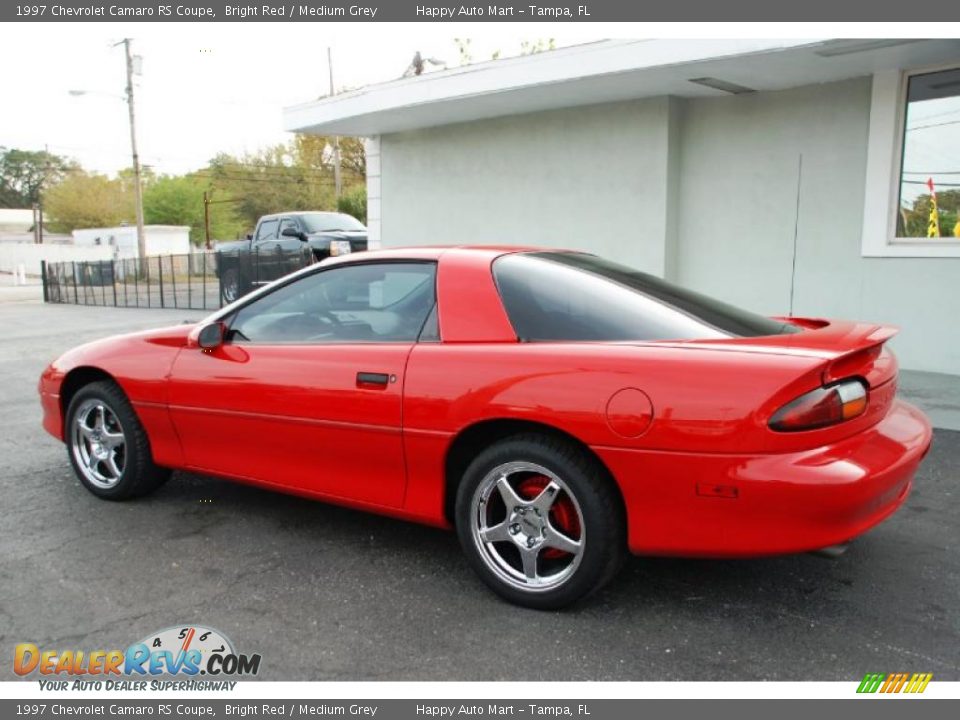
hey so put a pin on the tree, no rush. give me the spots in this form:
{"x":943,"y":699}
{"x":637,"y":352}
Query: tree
{"x":268,"y":182}
{"x":86,"y":200}
{"x":297,"y":175}
{"x":316,"y":151}
{"x":463,"y":50}
{"x":913,"y":219}
{"x":354,"y":202}
{"x":528,"y":47}
{"x":178,"y":200}
{"x":25,"y":174}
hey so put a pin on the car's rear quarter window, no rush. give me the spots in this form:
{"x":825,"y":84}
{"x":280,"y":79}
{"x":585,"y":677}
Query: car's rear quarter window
{"x":579,"y":297}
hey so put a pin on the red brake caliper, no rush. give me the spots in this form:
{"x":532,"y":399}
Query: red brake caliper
{"x":563,"y":514}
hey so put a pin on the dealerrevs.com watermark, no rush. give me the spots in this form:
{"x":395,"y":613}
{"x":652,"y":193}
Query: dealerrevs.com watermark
{"x":184,"y":653}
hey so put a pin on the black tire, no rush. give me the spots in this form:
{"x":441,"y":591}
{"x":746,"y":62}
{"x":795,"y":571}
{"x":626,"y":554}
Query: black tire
{"x":127,"y":469}
{"x":592,"y":495}
{"x":230,"y":285}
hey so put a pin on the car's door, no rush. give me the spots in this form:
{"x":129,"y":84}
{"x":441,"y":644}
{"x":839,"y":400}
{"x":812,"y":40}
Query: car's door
{"x":306,"y":392}
{"x":263,"y":252}
{"x":290,"y":247}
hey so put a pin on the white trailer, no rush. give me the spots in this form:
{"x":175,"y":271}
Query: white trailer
{"x":159,"y":239}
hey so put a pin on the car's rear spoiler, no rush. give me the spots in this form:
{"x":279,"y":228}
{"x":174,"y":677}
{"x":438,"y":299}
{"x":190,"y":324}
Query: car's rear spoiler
{"x":853,"y":348}
{"x":846,"y":348}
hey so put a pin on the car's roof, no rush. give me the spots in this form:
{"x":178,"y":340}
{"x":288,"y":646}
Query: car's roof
{"x":434,"y":252}
{"x":270,"y":216}
{"x":471,"y":255}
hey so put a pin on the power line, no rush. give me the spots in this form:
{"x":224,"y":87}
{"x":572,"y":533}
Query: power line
{"x":923,"y":182}
{"x":264,"y":172}
{"x":933,"y":125}
{"x":271,"y":181}
{"x":939,"y":114}
{"x":271,"y":173}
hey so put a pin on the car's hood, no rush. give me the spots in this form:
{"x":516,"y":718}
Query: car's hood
{"x":356,"y":238}
{"x":339,"y":235}
{"x":172,"y":336}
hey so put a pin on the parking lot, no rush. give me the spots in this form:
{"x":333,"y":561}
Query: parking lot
{"x":324,"y":593}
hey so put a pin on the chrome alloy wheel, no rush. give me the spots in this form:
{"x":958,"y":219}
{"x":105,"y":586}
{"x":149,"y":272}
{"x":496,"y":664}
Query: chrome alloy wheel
{"x":98,"y":443}
{"x":528,"y":526}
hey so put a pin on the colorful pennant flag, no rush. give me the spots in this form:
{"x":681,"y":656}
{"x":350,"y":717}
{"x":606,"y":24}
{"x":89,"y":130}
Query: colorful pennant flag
{"x":933,"y":224}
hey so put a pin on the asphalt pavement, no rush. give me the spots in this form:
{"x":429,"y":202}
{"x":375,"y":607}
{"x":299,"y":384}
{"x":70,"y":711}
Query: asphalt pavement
{"x":324,"y":593}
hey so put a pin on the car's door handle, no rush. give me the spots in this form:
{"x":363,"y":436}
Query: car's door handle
{"x":372,"y":379}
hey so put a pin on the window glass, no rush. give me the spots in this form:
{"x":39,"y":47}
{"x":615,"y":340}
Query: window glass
{"x":573,"y":296}
{"x":267,"y":230}
{"x":288,"y":223}
{"x":431,"y":327}
{"x":330,"y":222}
{"x":930,"y":171}
{"x":384,"y":302}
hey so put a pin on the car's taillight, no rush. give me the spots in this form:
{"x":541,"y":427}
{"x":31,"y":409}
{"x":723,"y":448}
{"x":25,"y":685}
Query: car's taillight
{"x":821,"y":407}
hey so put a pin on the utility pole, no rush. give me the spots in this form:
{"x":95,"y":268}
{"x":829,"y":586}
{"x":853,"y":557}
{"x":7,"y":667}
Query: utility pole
{"x":137,"y":187}
{"x":207,"y":202}
{"x":206,"y":218}
{"x":336,"y":138}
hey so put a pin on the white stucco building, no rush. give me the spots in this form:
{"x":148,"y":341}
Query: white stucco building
{"x":782,"y":176}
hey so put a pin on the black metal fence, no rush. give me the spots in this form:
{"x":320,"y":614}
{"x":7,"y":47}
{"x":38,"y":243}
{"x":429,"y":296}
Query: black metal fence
{"x":195,"y":281}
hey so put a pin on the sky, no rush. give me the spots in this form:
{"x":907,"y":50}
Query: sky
{"x":205,"y":88}
{"x":931,"y":148}
{"x":208,"y":88}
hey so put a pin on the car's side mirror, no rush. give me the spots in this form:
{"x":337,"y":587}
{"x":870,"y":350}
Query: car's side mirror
{"x":212,"y":336}
{"x":249,"y":236}
{"x":293,"y":232}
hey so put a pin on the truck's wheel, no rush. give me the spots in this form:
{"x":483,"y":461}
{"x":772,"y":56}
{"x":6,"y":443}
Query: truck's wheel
{"x":230,"y":284}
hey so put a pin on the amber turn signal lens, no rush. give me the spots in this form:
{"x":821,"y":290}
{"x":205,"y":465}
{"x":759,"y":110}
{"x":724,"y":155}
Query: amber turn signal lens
{"x":822,"y":407}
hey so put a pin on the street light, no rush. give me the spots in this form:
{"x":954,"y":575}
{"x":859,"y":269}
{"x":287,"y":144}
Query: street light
{"x":133,"y":65}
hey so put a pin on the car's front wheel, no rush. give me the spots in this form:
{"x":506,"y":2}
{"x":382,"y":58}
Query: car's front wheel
{"x":108,"y":447}
{"x":540,"y":521}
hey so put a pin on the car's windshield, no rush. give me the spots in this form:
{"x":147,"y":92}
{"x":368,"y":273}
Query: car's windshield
{"x":574,"y":296}
{"x":330,"y":222}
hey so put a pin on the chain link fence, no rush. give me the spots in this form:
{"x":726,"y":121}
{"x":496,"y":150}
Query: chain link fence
{"x":194,"y":281}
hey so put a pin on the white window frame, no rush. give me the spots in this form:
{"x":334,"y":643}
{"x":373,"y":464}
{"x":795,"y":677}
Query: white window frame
{"x":888,"y":110}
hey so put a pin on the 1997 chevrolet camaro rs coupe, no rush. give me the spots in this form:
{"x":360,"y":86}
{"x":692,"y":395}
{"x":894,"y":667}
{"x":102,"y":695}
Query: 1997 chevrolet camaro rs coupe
{"x":555,"y":408}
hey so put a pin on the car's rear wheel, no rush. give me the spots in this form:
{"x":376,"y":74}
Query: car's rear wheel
{"x":540,"y":521}
{"x":108,"y":447}
{"x":230,"y":284}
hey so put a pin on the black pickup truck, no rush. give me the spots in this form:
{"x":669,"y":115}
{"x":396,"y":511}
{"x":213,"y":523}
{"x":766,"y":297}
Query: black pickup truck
{"x":282,"y":243}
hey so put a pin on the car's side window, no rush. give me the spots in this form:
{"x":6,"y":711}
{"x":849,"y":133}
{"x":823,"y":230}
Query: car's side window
{"x":267,"y":230}
{"x":430,"y":333}
{"x":288,"y":223}
{"x":364,"y":302}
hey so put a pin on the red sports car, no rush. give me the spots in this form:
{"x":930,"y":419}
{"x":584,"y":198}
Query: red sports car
{"x":555,"y":408}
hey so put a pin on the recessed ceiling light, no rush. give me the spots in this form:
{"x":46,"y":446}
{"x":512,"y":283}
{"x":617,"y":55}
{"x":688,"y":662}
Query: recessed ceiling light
{"x":849,"y":47}
{"x":717,"y":84}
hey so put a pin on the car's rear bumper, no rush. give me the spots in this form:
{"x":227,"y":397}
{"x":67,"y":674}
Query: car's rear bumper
{"x":747,"y":505}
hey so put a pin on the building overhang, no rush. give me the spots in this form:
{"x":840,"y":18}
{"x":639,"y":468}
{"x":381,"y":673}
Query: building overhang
{"x":607,"y":71}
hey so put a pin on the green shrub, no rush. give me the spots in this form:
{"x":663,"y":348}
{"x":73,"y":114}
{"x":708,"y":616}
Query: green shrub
{"x":354,"y":202}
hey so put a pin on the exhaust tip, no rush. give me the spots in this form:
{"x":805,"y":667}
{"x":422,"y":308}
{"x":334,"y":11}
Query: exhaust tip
{"x":832,"y":552}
